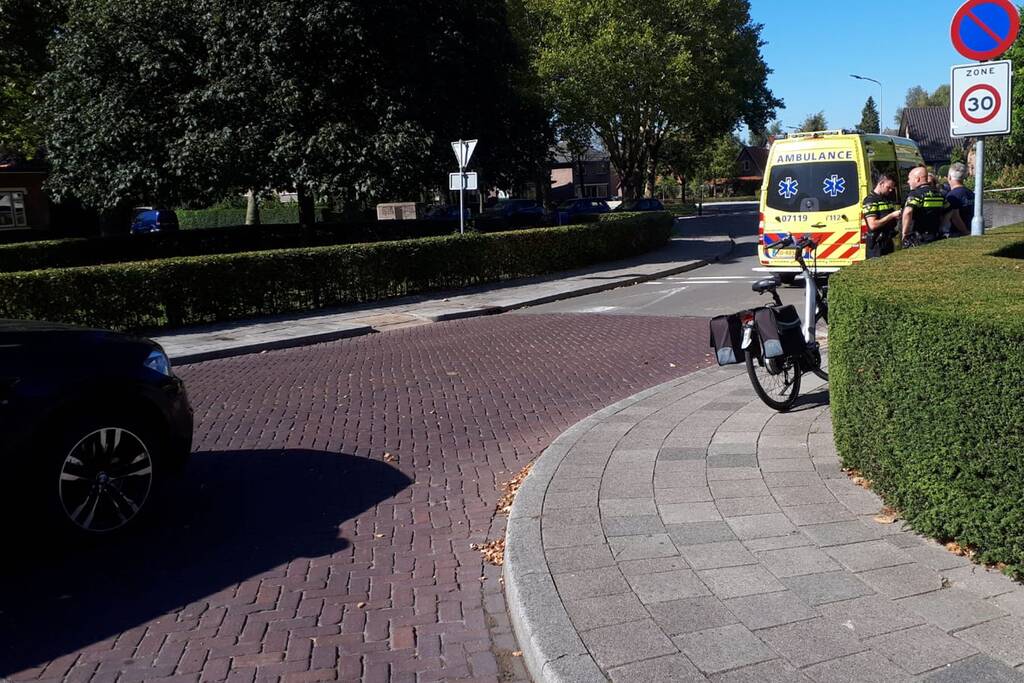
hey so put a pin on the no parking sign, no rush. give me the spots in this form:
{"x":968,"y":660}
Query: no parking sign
{"x":985,"y":29}
{"x":980,"y":99}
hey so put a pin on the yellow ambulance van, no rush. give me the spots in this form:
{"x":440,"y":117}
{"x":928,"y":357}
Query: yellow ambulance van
{"x":815,"y":185}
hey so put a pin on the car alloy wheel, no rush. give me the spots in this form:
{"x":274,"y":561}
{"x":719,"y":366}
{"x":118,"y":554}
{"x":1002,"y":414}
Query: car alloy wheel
{"x":105,"y":479}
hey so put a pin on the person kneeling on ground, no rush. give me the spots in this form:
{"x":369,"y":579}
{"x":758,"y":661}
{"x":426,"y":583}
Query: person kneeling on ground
{"x":925,"y":211}
{"x":882,"y":212}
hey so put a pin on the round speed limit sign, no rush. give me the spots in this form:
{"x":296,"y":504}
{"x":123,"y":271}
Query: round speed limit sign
{"x":981,"y":103}
{"x":980,"y":95}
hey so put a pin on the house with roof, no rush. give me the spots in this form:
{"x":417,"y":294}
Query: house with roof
{"x":751,"y":164}
{"x":929,"y":128}
{"x":23,"y":204}
{"x":588,"y":175}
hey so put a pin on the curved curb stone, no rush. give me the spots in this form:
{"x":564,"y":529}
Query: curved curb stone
{"x":689,"y":532}
{"x":552,"y":649}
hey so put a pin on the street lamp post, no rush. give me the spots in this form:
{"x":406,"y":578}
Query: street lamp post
{"x":881,"y":96}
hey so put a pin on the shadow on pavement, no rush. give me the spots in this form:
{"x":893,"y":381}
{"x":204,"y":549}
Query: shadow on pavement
{"x":816,"y":399}
{"x":235,"y":515}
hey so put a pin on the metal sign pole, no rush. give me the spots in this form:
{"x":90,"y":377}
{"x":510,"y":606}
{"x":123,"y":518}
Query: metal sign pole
{"x":462,"y":189}
{"x":978,"y":224}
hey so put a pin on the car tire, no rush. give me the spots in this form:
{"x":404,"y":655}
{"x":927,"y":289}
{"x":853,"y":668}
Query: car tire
{"x":788,"y":279}
{"x":103,"y":474}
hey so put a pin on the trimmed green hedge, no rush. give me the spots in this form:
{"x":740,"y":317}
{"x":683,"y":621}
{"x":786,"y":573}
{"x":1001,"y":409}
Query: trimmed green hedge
{"x":204,"y":289}
{"x":74,"y":252}
{"x":222,"y":218}
{"x":927,"y":387}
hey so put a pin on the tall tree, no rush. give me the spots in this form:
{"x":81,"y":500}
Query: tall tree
{"x":642,"y":72}
{"x":869,"y":122}
{"x":764,"y":137}
{"x":26,"y":27}
{"x":335,"y":99}
{"x":919,"y":97}
{"x":814,"y":122}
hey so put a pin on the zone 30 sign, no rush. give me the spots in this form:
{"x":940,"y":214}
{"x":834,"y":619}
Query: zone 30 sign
{"x":980,"y":99}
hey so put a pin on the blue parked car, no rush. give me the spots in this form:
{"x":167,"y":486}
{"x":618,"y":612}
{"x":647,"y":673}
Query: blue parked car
{"x":580,"y":207}
{"x":148,"y":219}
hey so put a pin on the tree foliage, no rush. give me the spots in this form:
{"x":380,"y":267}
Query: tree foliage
{"x":814,"y":122}
{"x":183,"y":101}
{"x":26,"y":27}
{"x":642,"y":73}
{"x":919,"y":97}
{"x":764,"y":137}
{"x":869,"y":121}
{"x":1009,"y":150}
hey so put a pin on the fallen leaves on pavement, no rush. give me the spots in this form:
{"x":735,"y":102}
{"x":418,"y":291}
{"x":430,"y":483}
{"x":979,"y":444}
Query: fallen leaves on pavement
{"x":492,"y":551}
{"x":510,"y":488}
{"x":887,"y":516}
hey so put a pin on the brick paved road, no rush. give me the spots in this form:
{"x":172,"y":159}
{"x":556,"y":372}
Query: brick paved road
{"x":247,"y":577}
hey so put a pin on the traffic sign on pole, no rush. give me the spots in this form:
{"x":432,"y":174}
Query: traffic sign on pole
{"x":985,"y":29}
{"x":980,"y":99}
{"x":462,"y":181}
{"x":463,"y":151}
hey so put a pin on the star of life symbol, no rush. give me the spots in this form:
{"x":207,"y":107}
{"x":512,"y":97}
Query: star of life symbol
{"x":788,"y":188}
{"x":835,"y":186}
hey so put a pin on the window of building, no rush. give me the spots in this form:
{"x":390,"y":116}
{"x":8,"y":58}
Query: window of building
{"x":598,"y":190}
{"x":12,"y":209}
{"x":746,"y":166}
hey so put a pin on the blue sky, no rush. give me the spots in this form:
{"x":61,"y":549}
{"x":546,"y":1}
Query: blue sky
{"x":814,"y":45}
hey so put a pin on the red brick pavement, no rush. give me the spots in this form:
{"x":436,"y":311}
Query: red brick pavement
{"x":323,"y":529}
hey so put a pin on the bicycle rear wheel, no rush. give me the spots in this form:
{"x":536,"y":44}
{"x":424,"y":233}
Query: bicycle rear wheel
{"x":776,"y":381}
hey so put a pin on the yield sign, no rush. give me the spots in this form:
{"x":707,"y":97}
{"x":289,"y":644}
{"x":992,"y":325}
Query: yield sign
{"x":985,"y":29}
{"x":463,"y":151}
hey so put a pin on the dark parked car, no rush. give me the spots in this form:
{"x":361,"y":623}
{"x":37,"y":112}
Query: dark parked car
{"x":511,"y":213}
{"x":580,"y":207}
{"x":148,"y":219}
{"x":631,"y":205}
{"x":92,"y":423}
{"x":445,"y":213}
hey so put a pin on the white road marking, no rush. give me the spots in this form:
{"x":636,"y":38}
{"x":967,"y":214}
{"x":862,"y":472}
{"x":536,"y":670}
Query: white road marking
{"x":713,"y":282}
{"x":713,"y":277}
{"x":664,"y":296}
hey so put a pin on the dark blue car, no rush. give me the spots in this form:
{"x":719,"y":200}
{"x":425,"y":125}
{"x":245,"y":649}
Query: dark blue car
{"x":148,"y":219}
{"x":92,"y":425}
{"x":580,"y":207}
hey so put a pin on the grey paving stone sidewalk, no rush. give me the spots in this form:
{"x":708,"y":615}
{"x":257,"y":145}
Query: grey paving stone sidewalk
{"x":690,"y":533}
{"x":249,"y":336}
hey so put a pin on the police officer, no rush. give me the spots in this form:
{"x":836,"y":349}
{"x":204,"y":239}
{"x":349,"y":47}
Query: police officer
{"x":882,"y":212}
{"x":925,"y":211}
{"x":958,"y":196}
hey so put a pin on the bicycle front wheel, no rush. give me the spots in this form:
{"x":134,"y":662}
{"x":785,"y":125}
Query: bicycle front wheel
{"x":776,"y":380}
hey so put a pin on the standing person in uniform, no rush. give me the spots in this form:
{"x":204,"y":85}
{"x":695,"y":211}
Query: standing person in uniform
{"x":959,"y":197}
{"x":882,"y":212}
{"x":925,"y":210}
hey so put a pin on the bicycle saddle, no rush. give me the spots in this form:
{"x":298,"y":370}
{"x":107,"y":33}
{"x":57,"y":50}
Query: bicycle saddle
{"x":768,"y":285}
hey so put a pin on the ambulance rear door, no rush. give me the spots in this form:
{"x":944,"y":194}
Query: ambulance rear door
{"x":815,"y":188}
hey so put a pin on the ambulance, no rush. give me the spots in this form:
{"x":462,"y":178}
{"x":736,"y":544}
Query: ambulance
{"x":815,"y":185}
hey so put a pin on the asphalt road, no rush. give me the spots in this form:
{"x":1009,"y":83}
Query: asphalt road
{"x":718,"y":288}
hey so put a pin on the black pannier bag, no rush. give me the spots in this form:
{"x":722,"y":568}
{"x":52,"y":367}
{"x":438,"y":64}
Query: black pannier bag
{"x":779,"y":330}
{"x":727,"y":339}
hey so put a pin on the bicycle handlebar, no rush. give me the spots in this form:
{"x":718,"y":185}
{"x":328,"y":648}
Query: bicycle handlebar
{"x":790,"y":243}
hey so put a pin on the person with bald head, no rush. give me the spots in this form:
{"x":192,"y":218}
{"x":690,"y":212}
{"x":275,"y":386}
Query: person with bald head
{"x":926,"y":210}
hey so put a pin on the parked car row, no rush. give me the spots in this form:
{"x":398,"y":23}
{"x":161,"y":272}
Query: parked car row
{"x":519,"y":213}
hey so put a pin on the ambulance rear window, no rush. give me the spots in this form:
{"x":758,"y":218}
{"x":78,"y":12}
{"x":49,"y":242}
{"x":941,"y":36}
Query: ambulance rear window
{"x":815,"y":186}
